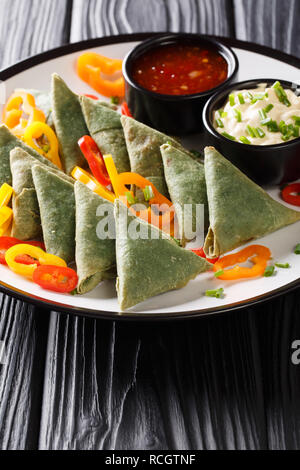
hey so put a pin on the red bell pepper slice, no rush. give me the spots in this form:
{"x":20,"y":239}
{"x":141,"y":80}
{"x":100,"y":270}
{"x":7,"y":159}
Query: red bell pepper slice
{"x":125,"y":110}
{"x":200,"y":252}
{"x":93,"y":97}
{"x":8,"y":242}
{"x":94,"y":158}
{"x":55,"y":278}
{"x":291,"y":194}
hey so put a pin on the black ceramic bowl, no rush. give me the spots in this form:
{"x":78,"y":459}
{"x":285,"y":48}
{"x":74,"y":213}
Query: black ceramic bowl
{"x":265,"y":164}
{"x":173,"y":114}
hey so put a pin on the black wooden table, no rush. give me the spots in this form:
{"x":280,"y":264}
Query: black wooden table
{"x":218,"y":383}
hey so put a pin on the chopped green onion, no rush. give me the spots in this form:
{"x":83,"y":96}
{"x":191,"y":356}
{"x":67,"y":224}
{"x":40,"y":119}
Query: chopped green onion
{"x":286,"y":137}
{"x":281,"y":94}
{"x":148,"y":193}
{"x":269,"y":271}
{"x":114,"y":100}
{"x":46,"y":148}
{"x":218,"y":293}
{"x":257,"y":98}
{"x":196,"y":153}
{"x":232,"y":100}
{"x":219,"y":273}
{"x":130,"y":198}
{"x":262,"y":114}
{"x":269,"y":108}
{"x":220,"y":123}
{"x":260,"y":133}
{"x":244,"y":140}
{"x":256,"y":132}
{"x":228,"y":136}
{"x":169,"y":142}
{"x":296,"y":131}
{"x":297,"y":249}
{"x":283,"y":266}
{"x":238,"y":115}
{"x":283,"y":128}
{"x":266,"y":121}
{"x":297,"y":120}
{"x":224,"y":114}
{"x":249,"y":95}
{"x":241,"y":98}
{"x":250,"y":131}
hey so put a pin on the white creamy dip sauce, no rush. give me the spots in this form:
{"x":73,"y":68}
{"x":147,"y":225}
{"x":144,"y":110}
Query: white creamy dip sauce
{"x":250,"y":115}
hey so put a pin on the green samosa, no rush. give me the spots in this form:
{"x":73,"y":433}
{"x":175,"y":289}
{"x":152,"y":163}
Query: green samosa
{"x":95,"y":254}
{"x":149,"y":262}
{"x":104,"y":125}
{"x":57,"y":209}
{"x":143,"y":145}
{"x":7,"y":143}
{"x":69,"y":123}
{"x":26,"y":221}
{"x":185,"y":179}
{"x":239,"y":209}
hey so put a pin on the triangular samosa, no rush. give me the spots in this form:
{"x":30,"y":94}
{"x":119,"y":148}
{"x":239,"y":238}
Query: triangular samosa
{"x":26,"y":221}
{"x":239,"y":209}
{"x":95,"y":255}
{"x":57,"y":208}
{"x":149,"y":262}
{"x":69,"y":123}
{"x":104,"y":125}
{"x":185,"y":179}
{"x":7,"y":143}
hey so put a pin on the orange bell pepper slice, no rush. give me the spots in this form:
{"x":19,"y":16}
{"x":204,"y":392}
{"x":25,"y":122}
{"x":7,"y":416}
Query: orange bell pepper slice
{"x":85,"y":177}
{"x":257,"y":254}
{"x":18,"y":104}
{"x":89,"y":68}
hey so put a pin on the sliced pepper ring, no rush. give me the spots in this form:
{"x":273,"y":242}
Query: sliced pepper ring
{"x":35,"y":131}
{"x":257,"y":254}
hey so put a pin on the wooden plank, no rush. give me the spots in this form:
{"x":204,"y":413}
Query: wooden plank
{"x":274,"y":23}
{"x":95,"y":18}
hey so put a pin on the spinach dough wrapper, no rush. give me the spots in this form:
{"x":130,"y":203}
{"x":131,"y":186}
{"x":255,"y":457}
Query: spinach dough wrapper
{"x":239,"y":210}
{"x":95,"y":257}
{"x":104,"y":125}
{"x":7,"y":143}
{"x":185,"y":179}
{"x":151,"y":264}
{"x":69,"y":123}
{"x":26,"y":221}
{"x":57,"y":208}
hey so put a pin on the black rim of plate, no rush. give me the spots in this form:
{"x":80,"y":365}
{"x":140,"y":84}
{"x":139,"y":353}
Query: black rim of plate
{"x":60,"y":307}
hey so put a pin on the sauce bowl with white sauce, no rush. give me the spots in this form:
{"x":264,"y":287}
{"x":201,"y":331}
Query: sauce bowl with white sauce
{"x":256,"y":125}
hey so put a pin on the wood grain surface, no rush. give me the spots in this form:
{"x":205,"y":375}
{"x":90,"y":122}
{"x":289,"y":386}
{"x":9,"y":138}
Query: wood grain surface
{"x":217,"y":383}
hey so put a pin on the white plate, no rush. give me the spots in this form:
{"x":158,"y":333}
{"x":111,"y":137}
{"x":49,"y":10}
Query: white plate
{"x":189,"y":301}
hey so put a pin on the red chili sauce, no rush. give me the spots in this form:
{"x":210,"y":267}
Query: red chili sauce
{"x":180,"y":70}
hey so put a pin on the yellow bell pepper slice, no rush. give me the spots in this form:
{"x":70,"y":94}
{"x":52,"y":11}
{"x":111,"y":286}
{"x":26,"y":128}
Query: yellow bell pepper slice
{"x":35,"y":131}
{"x":21,"y":102}
{"x":36,"y":253}
{"x":6,"y":216}
{"x":89,"y":68}
{"x":86,"y":178}
{"x":6,"y":193}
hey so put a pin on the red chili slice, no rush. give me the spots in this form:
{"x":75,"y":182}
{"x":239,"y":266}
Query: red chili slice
{"x":291,"y":194}
{"x":125,"y":110}
{"x":8,"y":242}
{"x":26,"y":259}
{"x":94,"y":158}
{"x":93,"y":97}
{"x":200,"y":252}
{"x":55,"y":278}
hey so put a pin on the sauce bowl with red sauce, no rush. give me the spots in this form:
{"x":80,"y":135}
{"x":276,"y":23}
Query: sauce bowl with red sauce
{"x":169,"y":78}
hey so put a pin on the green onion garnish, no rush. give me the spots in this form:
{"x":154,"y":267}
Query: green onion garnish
{"x":296,"y":131}
{"x":228,"y":136}
{"x":286,"y":137}
{"x":148,"y":193}
{"x":218,"y":293}
{"x":260,"y":133}
{"x":262,"y":113}
{"x":297,"y":249}
{"x":266,"y":121}
{"x":241,"y":98}
{"x":244,"y":140}
{"x":256,"y":132}
{"x":257,"y":98}
{"x":169,"y":142}
{"x":238,"y":115}
{"x":130,"y":198}
{"x":196,"y":153}
{"x":281,"y":94}
{"x":297,"y":120}
{"x":249,"y":95}
{"x":222,"y":113}
{"x":114,"y":100}
{"x":283,"y":266}
{"x":269,"y":108}
{"x":232,"y":100}
{"x":219,"y":273}
{"x":46,"y":148}
{"x":269,"y":271}
{"x":220,"y":123}
{"x":250,"y":131}
{"x":283,"y":128}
